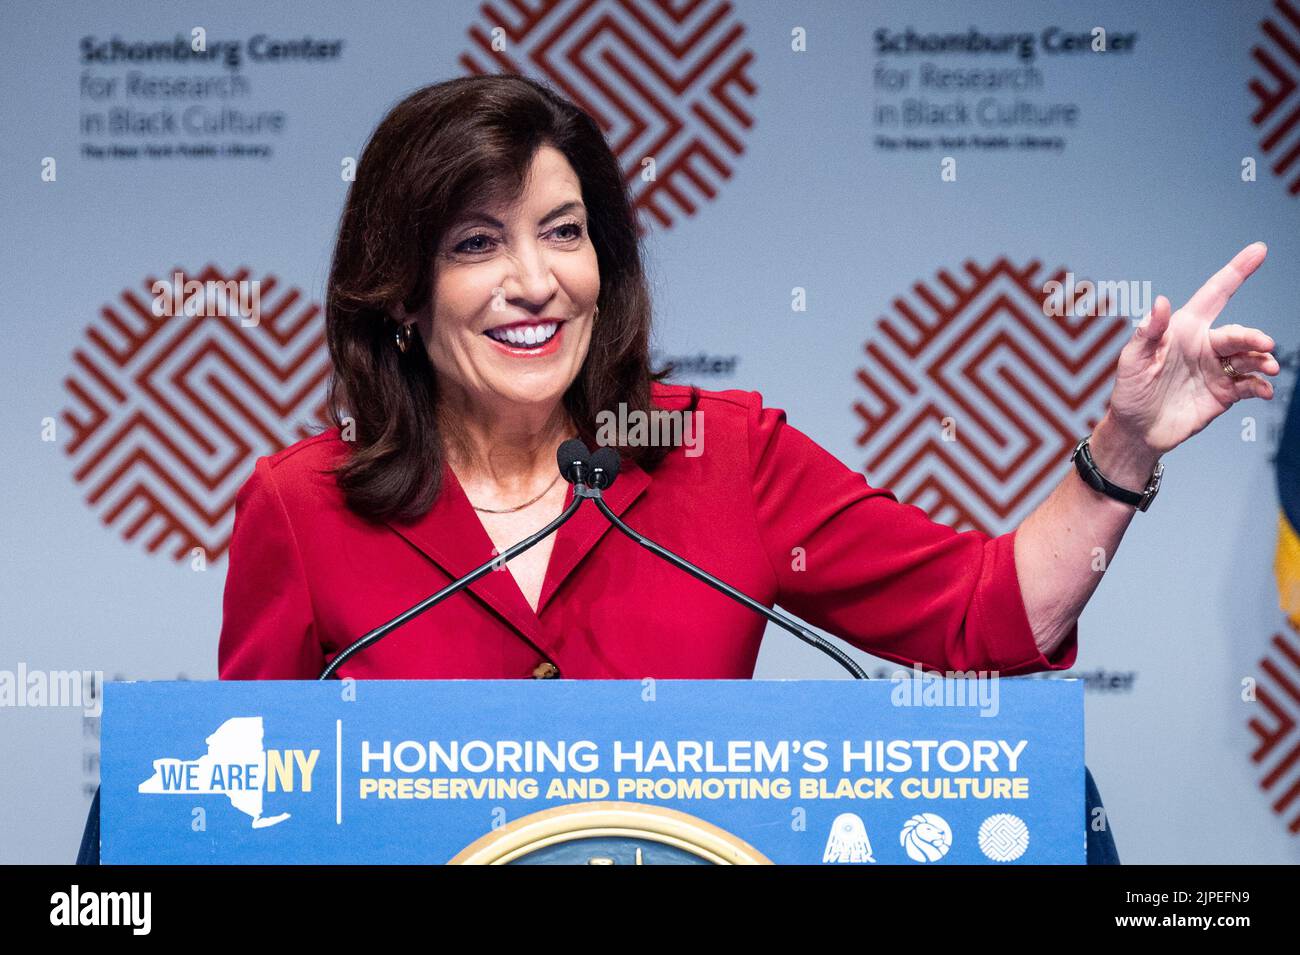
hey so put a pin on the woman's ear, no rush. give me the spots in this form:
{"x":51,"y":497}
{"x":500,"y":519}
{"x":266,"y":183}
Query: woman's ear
{"x":402,"y":315}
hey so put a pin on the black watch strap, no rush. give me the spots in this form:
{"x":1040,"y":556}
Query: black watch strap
{"x":1087,"y":468}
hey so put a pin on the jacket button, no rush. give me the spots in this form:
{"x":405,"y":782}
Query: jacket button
{"x":546,"y":670}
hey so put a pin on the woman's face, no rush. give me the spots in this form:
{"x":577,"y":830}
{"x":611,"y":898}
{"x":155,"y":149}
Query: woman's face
{"x":514,"y":289}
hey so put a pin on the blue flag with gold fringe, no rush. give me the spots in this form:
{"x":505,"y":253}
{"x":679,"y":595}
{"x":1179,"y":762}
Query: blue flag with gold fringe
{"x":1287,"y":562}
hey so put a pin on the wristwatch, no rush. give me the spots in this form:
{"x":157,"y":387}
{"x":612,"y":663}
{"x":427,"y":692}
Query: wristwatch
{"x":1087,"y":467}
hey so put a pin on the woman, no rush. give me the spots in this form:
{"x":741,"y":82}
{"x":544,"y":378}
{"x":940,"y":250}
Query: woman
{"x":486,"y":302}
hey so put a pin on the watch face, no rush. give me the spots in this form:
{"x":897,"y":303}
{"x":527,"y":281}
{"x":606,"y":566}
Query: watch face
{"x":1154,"y":487}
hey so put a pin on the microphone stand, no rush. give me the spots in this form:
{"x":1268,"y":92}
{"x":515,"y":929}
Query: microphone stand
{"x":575,"y":462}
{"x":777,"y":617}
{"x":454,"y":587}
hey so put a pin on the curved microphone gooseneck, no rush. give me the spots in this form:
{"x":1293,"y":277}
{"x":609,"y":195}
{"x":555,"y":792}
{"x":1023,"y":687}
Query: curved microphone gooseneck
{"x":573,"y":459}
{"x":590,"y":474}
{"x":605,"y":465}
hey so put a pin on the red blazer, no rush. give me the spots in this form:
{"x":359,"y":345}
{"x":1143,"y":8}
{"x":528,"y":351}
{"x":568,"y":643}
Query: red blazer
{"x":763,"y":507}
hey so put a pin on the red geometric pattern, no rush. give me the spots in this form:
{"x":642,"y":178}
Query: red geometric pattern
{"x":168,"y":414}
{"x":662,"y":79}
{"x":1279,"y":103}
{"x":1021,"y":388}
{"x":1278,"y":692}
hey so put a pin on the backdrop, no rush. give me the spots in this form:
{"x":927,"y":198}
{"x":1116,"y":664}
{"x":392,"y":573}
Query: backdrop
{"x":851,"y":207}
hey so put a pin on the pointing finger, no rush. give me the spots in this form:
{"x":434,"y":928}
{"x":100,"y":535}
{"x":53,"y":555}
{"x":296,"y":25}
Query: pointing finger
{"x":1214,"y":294}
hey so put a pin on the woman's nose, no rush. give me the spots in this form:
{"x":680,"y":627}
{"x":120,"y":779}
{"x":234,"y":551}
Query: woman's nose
{"x":530,"y":275}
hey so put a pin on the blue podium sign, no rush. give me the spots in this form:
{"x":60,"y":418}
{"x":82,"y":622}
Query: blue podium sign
{"x":921,"y":771}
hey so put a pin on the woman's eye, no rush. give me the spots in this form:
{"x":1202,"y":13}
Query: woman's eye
{"x":468,"y":246}
{"x":474,"y":238}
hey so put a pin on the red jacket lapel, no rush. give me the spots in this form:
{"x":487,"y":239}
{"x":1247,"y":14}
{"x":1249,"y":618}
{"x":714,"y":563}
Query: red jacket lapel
{"x":585,"y":529}
{"x":452,"y":536}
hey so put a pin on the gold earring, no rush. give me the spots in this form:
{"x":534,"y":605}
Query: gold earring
{"x":403,"y":338}
{"x":595,"y":315}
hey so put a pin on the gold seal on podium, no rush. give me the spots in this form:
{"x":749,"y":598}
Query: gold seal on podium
{"x":609,"y":833}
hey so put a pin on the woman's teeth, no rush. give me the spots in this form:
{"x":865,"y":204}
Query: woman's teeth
{"x":524,"y":335}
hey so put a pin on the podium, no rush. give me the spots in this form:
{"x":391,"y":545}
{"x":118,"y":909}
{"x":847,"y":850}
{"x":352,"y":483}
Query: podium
{"x":921,"y":771}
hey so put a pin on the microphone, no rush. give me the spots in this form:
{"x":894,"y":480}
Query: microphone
{"x":575,"y":463}
{"x":573,"y":459}
{"x":604,"y":465}
{"x":604,"y":468}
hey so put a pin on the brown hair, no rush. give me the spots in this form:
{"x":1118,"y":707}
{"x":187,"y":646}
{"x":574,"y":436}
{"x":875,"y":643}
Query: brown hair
{"x":442,"y":150}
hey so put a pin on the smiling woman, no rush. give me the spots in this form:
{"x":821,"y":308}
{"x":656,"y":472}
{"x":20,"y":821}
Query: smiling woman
{"x":487,"y":297}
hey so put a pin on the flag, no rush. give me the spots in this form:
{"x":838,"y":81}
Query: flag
{"x":1287,"y":562}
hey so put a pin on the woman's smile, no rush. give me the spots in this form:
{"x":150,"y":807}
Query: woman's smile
{"x":527,"y":339}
